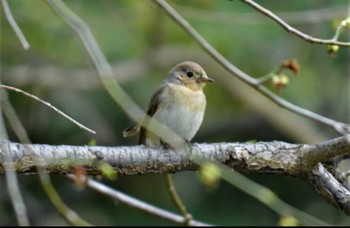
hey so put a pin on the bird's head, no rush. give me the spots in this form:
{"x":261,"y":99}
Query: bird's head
{"x":189,"y":74}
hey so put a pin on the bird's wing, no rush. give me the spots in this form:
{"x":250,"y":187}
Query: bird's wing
{"x":151,"y":109}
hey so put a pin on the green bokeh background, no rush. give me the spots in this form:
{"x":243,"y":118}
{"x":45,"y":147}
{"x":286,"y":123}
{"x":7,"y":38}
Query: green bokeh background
{"x":131,"y":31}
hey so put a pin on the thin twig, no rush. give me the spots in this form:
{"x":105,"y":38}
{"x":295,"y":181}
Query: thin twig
{"x":13,"y":189}
{"x":14,"y":120}
{"x":10,"y":175}
{"x":135,"y":203}
{"x":48,"y":105}
{"x":177,"y":200}
{"x":22,"y":135}
{"x":71,"y":216}
{"x":340,"y":127}
{"x":311,"y":16}
{"x":14,"y":25}
{"x":290,"y":29}
{"x":341,"y":25}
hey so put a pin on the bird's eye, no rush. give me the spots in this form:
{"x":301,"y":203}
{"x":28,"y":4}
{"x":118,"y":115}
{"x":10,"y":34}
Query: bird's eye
{"x":189,"y":74}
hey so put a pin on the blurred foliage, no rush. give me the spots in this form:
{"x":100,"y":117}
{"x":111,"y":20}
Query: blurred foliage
{"x":129,"y":30}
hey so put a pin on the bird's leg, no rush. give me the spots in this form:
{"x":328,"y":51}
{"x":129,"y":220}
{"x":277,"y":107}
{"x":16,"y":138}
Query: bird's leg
{"x":189,"y":147}
{"x":172,"y":190}
{"x":165,"y":145}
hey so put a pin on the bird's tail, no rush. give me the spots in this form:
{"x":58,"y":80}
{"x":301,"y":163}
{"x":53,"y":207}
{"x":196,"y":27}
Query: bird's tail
{"x":131,"y":130}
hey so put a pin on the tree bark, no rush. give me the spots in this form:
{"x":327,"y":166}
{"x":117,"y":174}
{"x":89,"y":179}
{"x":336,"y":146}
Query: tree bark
{"x":261,"y":157}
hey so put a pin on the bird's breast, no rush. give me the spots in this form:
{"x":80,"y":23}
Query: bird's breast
{"x":182,"y":110}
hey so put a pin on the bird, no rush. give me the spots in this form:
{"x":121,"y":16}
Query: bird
{"x":179,"y":103}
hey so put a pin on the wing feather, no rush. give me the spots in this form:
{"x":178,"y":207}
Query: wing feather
{"x":151,"y":110}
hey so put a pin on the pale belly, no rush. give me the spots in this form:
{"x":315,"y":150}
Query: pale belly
{"x":182,"y":111}
{"x":181,"y":120}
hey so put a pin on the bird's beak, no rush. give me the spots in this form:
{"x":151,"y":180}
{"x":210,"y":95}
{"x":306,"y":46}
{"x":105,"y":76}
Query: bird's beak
{"x":207,"y":79}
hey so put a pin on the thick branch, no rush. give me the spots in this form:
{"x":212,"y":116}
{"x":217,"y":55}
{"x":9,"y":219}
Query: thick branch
{"x":262,"y":157}
{"x":329,"y":187}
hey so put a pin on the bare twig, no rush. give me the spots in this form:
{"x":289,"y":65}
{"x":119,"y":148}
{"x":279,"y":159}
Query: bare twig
{"x":13,"y":119}
{"x":311,"y":16}
{"x":135,"y":203}
{"x":13,"y":189}
{"x":338,"y":126}
{"x":290,"y":29}
{"x":14,"y":25}
{"x":10,"y":175}
{"x":68,"y":214}
{"x":342,"y":24}
{"x":177,"y":200}
{"x":48,"y":105}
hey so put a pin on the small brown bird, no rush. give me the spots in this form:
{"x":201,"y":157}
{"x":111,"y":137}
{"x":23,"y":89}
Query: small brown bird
{"x":179,"y":103}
